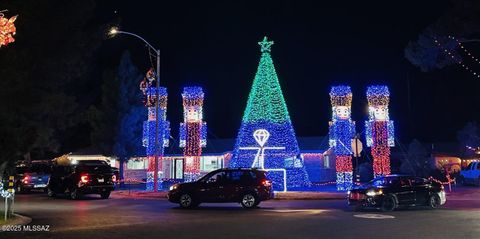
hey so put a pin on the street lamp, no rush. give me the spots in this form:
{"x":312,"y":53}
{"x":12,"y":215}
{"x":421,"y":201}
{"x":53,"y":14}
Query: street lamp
{"x":114,"y":31}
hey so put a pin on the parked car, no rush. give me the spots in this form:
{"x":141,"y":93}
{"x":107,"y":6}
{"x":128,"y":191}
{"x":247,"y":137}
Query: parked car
{"x":31,"y":177}
{"x":82,"y":177}
{"x":471,"y":174}
{"x":246,"y":186}
{"x":390,"y":192}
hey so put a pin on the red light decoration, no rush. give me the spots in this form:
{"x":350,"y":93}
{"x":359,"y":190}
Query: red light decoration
{"x":380,"y":148}
{"x":7,"y":29}
{"x":192,"y":131}
{"x":343,"y":163}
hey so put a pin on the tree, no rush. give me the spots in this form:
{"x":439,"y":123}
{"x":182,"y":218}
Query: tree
{"x":117,"y":122}
{"x":43,"y":73}
{"x":131,"y":113}
{"x":266,"y":110}
{"x":469,"y":136}
{"x":462,"y":21}
{"x":417,"y":162}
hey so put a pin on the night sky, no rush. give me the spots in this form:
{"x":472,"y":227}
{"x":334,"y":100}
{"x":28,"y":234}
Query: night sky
{"x":214,"y":45}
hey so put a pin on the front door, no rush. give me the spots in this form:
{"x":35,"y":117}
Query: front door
{"x":211,"y":189}
{"x":405,"y":193}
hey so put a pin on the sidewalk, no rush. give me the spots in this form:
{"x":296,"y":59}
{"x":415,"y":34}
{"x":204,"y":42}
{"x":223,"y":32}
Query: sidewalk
{"x":293,"y":195}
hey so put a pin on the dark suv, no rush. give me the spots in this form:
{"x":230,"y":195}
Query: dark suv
{"x":392,"y":191}
{"x":82,"y":177}
{"x":246,"y":186}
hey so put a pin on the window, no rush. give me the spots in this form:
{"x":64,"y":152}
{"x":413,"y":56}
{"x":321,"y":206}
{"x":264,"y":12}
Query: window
{"x":243,"y":176}
{"x":420,"y":181}
{"x":478,"y":166}
{"x":136,"y":164}
{"x":218,"y":177}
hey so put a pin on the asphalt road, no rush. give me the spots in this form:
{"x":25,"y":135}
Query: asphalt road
{"x":146,"y":218}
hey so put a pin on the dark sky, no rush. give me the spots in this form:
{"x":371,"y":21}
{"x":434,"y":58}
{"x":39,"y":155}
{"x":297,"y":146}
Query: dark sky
{"x":359,"y":43}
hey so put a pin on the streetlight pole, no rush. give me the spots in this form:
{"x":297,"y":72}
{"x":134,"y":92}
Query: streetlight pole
{"x":115,"y":31}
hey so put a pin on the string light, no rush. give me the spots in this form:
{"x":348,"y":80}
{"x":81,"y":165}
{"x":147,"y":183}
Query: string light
{"x":341,"y":132}
{"x":7,"y":29}
{"x":193,"y":131}
{"x":452,"y":55}
{"x":379,"y":129}
{"x":468,"y":53}
{"x":149,"y":126}
{"x":266,"y":109}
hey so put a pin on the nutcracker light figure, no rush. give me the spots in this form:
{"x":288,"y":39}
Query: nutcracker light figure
{"x":379,"y":129}
{"x":149,"y":126}
{"x":341,"y":132}
{"x":193,"y":131}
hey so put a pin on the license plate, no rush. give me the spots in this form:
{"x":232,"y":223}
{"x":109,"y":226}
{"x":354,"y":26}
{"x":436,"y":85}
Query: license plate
{"x":101,"y":180}
{"x":39,"y":185}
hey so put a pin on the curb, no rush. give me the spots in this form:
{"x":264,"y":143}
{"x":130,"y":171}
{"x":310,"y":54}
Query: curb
{"x":18,"y":220}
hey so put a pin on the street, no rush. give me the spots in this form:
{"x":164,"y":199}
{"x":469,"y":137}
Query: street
{"x":146,"y":218}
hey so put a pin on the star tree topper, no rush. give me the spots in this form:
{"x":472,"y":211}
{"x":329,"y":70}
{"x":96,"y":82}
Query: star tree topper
{"x":265,"y":45}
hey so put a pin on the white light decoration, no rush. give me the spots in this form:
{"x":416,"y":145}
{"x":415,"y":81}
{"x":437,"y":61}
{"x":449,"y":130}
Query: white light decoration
{"x":261,"y":137}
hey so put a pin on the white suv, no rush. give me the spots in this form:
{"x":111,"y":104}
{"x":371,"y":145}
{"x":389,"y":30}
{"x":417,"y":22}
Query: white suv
{"x":471,"y":174}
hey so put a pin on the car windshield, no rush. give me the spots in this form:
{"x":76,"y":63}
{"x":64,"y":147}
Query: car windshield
{"x":384,"y":181}
{"x":93,"y":166}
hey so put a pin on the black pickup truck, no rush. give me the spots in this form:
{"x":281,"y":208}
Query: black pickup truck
{"x":82,"y":177}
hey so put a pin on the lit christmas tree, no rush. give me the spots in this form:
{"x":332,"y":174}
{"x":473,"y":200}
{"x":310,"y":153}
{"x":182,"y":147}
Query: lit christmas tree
{"x":379,"y":129}
{"x":266,"y":138}
{"x":341,"y":132}
{"x":193,"y":131}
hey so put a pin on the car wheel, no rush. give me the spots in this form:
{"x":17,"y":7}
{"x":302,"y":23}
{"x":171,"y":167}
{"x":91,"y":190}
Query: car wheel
{"x":249,"y":200}
{"x":388,"y":204}
{"x":50,"y":193}
{"x":105,"y":195}
{"x":74,"y":194}
{"x":434,"y":201}
{"x":186,"y":201}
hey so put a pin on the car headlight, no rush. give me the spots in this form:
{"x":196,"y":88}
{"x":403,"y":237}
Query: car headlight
{"x":173,"y":187}
{"x":348,"y":192}
{"x":372,"y":193}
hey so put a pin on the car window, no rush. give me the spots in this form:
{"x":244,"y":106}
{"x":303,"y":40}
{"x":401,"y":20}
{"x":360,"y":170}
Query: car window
{"x":40,"y":168}
{"x":242,"y":176}
{"x":478,"y":166}
{"x":22,"y":170}
{"x":405,"y":182}
{"x":420,"y":181}
{"x":219,"y":177}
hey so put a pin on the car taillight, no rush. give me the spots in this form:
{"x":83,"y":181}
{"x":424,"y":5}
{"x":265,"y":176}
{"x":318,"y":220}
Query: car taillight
{"x":84,"y":178}
{"x":25,"y":179}
{"x":266,"y":183}
{"x":114,"y":178}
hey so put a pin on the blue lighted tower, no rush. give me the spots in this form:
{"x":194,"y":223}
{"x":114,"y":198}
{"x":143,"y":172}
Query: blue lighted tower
{"x":341,"y":132}
{"x":266,"y":138}
{"x":150,"y":93}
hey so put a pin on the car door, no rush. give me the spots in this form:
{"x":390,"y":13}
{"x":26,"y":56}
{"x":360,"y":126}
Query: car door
{"x":211,"y":189}
{"x":405,"y":192}
{"x":235,"y":185}
{"x":422,"y":189}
